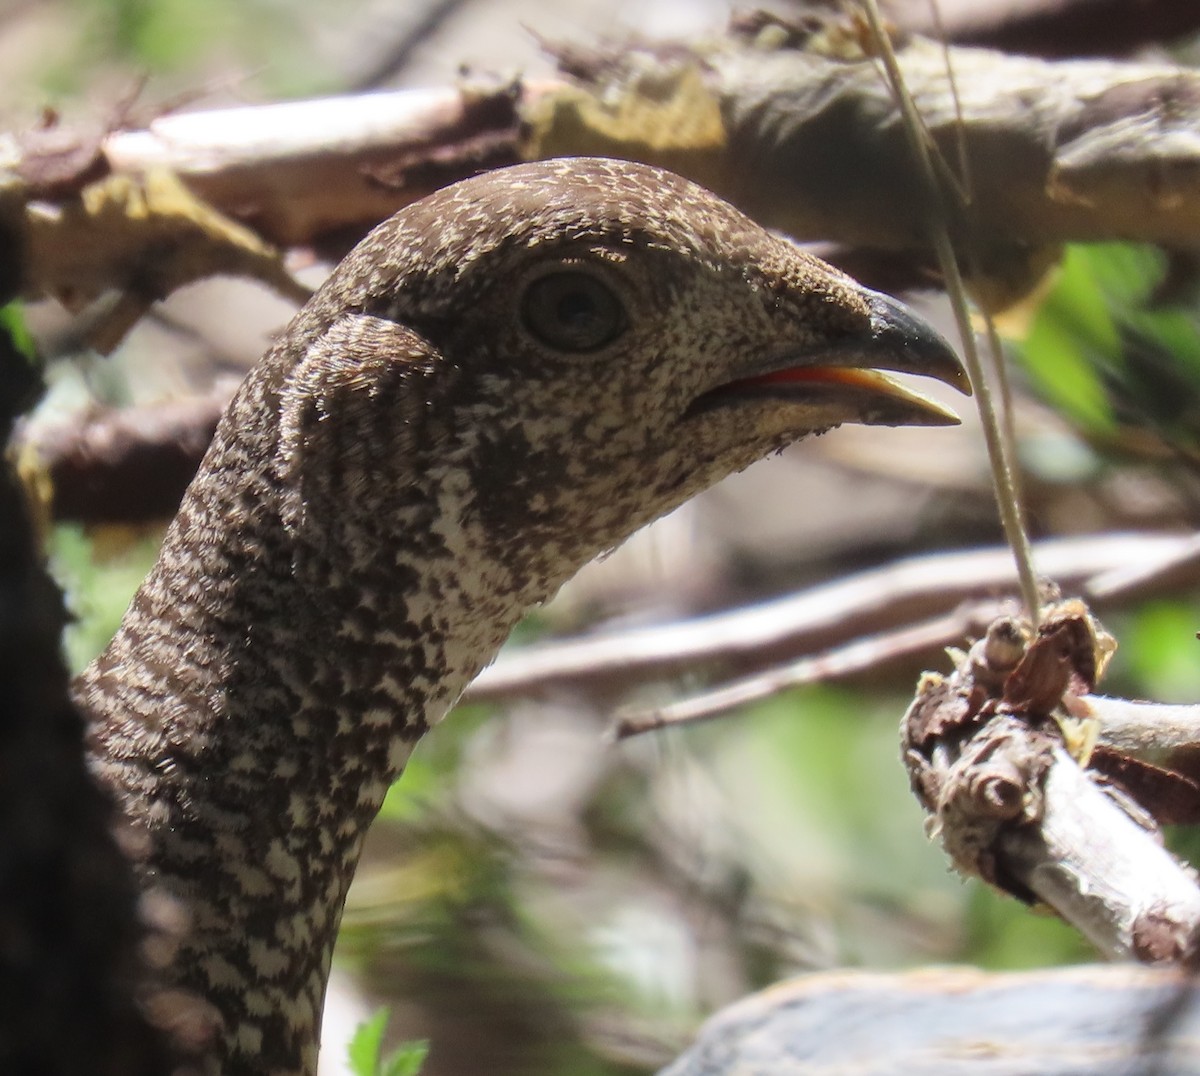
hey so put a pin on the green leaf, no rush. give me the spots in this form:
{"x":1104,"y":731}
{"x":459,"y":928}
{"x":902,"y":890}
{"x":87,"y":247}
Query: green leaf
{"x":1072,"y":334}
{"x":12,"y":321}
{"x":364,"y":1048}
{"x":364,"y":1051}
{"x":1160,"y":648}
{"x":1115,"y":353}
{"x":407,"y":1059}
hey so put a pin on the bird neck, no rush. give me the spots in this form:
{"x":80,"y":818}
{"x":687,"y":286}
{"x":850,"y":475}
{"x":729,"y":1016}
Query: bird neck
{"x":266,"y":686}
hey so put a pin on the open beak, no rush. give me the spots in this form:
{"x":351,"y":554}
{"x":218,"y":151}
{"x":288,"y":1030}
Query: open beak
{"x":847,"y":373}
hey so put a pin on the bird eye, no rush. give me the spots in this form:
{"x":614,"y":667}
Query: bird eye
{"x":572,"y":310}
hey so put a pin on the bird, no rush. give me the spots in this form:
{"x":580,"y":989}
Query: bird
{"x":499,"y":383}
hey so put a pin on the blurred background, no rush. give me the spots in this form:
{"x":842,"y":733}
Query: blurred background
{"x":534,"y":898}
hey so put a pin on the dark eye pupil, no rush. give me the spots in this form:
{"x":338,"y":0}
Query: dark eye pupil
{"x":577,"y":310}
{"x":572,"y":310}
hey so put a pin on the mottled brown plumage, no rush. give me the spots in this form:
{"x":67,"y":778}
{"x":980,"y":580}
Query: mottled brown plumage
{"x":502,"y":381}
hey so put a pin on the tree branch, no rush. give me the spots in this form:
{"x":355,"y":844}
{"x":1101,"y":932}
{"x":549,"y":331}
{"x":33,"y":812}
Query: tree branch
{"x":789,"y":121}
{"x":1054,"y":27}
{"x":762,"y":636}
{"x":123,"y":465}
{"x":1005,"y":777}
{"x":868,"y":653}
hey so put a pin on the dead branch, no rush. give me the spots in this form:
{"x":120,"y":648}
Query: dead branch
{"x":140,"y":237}
{"x":122,"y":465}
{"x":792,"y":122}
{"x":869,"y":653}
{"x":1102,"y":871}
{"x":822,"y":617}
{"x":1053,"y":27}
{"x":1139,"y":728}
{"x":321,"y":173}
{"x":1004,"y":774}
{"x":141,"y":213}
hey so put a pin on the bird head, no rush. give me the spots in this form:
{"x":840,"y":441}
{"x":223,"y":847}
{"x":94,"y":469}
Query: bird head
{"x":586,"y":343}
{"x":503,"y":380}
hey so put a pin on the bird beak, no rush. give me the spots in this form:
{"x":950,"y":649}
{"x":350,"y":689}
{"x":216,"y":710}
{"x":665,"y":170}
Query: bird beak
{"x":846,"y":373}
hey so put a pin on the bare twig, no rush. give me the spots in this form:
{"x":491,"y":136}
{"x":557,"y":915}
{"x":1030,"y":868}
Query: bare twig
{"x":1102,"y":872}
{"x":1137,"y":574}
{"x":856,"y":657}
{"x":1075,"y":849}
{"x":1139,"y":727}
{"x":818,"y":618}
{"x":1000,"y":451}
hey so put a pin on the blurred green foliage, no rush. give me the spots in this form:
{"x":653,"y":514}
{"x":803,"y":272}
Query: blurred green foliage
{"x":1159,"y":656}
{"x":829,"y":758}
{"x":365,"y":1051}
{"x":1002,"y":934}
{"x":20,"y":367}
{"x":1115,"y":347}
{"x":12,"y":322}
{"x":424,"y":785}
{"x":163,"y":35}
{"x":181,"y":43}
{"x":99,"y":582}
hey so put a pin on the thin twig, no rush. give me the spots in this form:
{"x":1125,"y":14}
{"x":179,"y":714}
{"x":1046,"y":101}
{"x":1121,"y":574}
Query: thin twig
{"x":965,"y":191}
{"x":960,"y":125}
{"x":1000,"y":371}
{"x":820,"y":617}
{"x":858,"y":656}
{"x":1136,"y":575}
{"x":998,"y":450}
{"x":1139,"y":727}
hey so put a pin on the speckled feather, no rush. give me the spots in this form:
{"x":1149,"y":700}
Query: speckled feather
{"x":405,"y":472}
